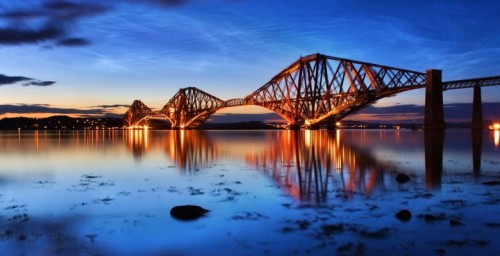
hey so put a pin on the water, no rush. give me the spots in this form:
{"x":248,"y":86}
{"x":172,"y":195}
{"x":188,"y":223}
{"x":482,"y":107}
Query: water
{"x":268,"y":192}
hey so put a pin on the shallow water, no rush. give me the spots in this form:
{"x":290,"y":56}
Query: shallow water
{"x":268,"y":192}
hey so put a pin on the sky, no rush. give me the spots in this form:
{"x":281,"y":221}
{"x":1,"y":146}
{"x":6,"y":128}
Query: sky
{"x":85,"y":58}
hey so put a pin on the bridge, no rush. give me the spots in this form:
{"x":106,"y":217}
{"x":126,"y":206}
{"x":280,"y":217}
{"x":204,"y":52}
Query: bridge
{"x":318,"y":90}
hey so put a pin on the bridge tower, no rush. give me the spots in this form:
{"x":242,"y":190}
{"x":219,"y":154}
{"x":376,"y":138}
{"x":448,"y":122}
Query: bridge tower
{"x":137,"y":114}
{"x":434,"y":113}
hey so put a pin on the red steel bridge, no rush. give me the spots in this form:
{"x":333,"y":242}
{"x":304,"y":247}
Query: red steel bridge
{"x":317,"y":90}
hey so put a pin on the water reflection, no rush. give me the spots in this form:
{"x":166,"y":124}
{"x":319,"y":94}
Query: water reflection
{"x":496,"y":137}
{"x":434,"y":145}
{"x":45,"y":141}
{"x":190,"y":150}
{"x":477,"y":142}
{"x":308,"y":165}
{"x":137,"y":141}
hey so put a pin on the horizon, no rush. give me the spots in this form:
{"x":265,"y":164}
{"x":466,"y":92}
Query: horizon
{"x":93,"y":59}
{"x":454,"y":113}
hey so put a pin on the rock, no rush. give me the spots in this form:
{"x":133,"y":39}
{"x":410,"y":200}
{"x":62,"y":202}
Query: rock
{"x":455,"y":223}
{"x":187,"y":212}
{"x":492,"y":183}
{"x":402,"y":178}
{"x":403,"y":215}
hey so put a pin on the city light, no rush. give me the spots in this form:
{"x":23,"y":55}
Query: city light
{"x":495,"y":126}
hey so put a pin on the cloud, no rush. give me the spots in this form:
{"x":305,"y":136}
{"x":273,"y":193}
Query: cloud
{"x":402,"y":108}
{"x":21,"y":35}
{"x":70,"y":11}
{"x":73,"y":42}
{"x":45,"y":108}
{"x":12,"y":79}
{"x":453,"y":112}
{"x":112,"y":106}
{"x":39,"y":83}
{"x":166,"y":3}
{"x":49,"y":22}
{"x":4,"y":80}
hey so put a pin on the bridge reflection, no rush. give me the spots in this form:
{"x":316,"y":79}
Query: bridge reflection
{"x":311,"y":164}
{"x":308,"y":165}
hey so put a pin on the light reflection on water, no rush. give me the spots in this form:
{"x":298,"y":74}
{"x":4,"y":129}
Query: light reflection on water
{"x":115,"y":186}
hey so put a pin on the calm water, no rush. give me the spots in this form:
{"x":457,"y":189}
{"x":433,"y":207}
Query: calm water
{"x":268,"y":192}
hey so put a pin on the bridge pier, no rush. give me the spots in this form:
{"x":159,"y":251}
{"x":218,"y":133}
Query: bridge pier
{"x":434,"y":112}
{"x":477,"y":109}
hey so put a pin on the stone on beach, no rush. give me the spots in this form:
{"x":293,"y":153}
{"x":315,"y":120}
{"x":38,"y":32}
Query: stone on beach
{"x":402,"y":178}
{"x":188,"y":212}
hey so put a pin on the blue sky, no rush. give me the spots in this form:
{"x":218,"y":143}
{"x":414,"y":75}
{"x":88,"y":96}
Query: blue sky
{"x":95,"y":57}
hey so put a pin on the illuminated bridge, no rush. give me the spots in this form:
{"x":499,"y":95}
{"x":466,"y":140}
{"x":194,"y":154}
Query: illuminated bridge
{"x":317,"y":90}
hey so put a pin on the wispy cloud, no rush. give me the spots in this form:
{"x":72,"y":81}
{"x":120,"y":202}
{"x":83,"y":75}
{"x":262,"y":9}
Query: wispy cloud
{"x":5,"y":80}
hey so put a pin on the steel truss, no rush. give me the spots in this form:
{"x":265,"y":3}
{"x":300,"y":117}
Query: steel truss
{"x":137,"y":114}
{"x":318,"y":86}
{"x":190,"y":107}
{"x":469,"y":83}
{"x":314,"y":90}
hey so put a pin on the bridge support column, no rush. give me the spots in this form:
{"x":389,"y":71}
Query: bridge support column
{"x":477,"y":110}
{"x":434,"y":112}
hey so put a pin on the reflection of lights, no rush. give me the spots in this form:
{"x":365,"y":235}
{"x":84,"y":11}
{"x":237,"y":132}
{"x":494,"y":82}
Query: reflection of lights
{"x":137,"y":138}
{"x":307,"y":138}
{"x":496,"y":137}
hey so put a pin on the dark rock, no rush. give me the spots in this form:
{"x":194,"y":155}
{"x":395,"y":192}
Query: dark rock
{"x":455,"y":223}
{"x":187,"y":212}
{"x":403,"y":215}
{"x":378,"y":233}
{"x":330,"y":229}
{"x":433,"y":217}
{"x":402,"y":178}
{"x":492,"y":183}
{"x":492,"y":224}
{"x":440,"y":251}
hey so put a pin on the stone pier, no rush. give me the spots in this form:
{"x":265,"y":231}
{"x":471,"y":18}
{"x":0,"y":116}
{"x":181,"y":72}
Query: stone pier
{"x":434,"y":113}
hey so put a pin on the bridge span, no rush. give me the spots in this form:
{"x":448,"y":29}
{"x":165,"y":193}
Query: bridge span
{"x":317,"y":90}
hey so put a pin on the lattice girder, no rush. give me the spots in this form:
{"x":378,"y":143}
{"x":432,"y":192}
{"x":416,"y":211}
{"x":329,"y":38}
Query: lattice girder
{"x":318,"y":86}
{"x":137,"y":113}
{"x":190,"y":107}
{"x":469,"y":83}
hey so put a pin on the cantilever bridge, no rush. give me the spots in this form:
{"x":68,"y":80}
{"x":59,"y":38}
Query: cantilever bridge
{"x":317,"y":90}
